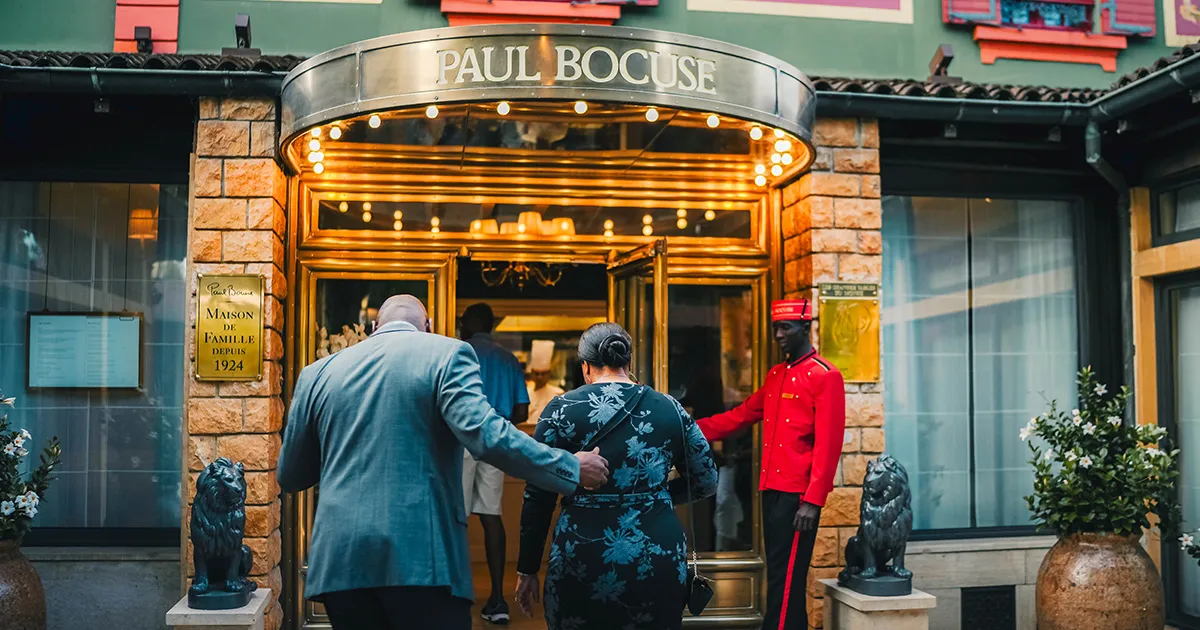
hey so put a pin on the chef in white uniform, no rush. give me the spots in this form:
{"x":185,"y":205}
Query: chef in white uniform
{"x":541,"y":392}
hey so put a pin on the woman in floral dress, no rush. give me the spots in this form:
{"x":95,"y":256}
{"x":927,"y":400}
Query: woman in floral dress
{"x":618,"y":560}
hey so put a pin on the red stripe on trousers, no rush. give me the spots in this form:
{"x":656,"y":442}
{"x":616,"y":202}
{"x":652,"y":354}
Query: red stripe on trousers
{"x":787,"y":584}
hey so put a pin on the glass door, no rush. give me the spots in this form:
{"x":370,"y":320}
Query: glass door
{"x":340,"y":295}
{"x":1178,"y":330}
{"x":637,"y":300}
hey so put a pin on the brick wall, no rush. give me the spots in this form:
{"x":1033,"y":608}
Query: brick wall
{"x":238,"y":226}
{"x":831,"y":230}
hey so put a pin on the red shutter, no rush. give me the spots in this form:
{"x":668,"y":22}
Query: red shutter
{"x":971,"y":11}
{"x":1128,"y":17}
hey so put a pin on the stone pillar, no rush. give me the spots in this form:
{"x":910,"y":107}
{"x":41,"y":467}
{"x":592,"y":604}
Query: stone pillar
{"x":831,"y":228}
{"x":238,"y":226}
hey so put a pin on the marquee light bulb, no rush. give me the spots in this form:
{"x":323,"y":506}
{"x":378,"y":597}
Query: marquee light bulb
{"x":503,"y":108}
{"x":651,"y":114}
{"x":755,"y":133}
{"x":760,"y":181}
{"x":783,"y":146}
{"x":520,"y":228}
{"x":431,"y":111}
{"x":713,"y":121}
{"x":342,"y":207}
{"x":314,"y":145}
{"x":608,"y":224}
{"x":316,"y":132}
{"x":777,"y":170}
{"x":366,"y":217}
{"x":335,"y":133}
{"x":367,"y":206}
{"x":397,"y":215}
{"x":647,"y":219}
{"x":787,"y":158}
{"x":681,"y":213}
{"x":314,"y":156}
{"x":318,"y":168}
{"x":681,"y":224}
{"x":709,"y":215}
{"x":759,"y":169}
{"x":397,"y":225}
{"x":580,"y":107}
{"x":779,"y":133}
{"x":374,"y":121}
{"x":608,"y":232}
{"x":647,"y":230}
{"x":435,"y":229}
{"x":775,"y":158}
{"x":435,"y":221}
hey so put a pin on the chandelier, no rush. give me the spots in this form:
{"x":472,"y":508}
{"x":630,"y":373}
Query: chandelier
{"x":519,"y":274}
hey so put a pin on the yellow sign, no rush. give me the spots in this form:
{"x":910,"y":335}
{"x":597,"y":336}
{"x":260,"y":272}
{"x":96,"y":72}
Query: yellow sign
{"x":849,"y":329}
{"x":229,"y":327}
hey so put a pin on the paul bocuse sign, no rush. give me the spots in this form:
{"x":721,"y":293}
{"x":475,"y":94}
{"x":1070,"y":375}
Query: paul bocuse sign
{"x":547,"y":61}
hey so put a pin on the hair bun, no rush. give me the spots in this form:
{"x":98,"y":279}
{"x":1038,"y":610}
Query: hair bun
{"x":615,"y":351}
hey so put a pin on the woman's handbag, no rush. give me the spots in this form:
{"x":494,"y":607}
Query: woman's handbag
{"x":698,"y":590}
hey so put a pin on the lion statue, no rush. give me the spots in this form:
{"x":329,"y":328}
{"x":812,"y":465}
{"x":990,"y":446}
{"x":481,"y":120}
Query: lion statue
{"x":884,"y":525}
{"x":218,"y":522}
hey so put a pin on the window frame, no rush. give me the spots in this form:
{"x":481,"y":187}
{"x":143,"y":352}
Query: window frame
{"x":1164,"y":338}
{"x":102,"y":536}
{"x":1172,"y":183}
{"x":1093,"y":325}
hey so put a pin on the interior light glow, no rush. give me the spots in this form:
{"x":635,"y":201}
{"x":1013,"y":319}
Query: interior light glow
{"x":756,"y":133}
{"x":580,"y":107}
{"x":709,"y":215}
{"x":520,"y":228}
{"x":431,"y":111}
{"x":713,"y":121}
{"x":651,"y":114}
{"x":503,"y":108}
{"x":374,"y":121}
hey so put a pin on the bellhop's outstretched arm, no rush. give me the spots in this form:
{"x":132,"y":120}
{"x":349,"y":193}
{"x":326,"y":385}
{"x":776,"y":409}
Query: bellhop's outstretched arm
{"x":829,"y":431}
{"x":721,"y":425}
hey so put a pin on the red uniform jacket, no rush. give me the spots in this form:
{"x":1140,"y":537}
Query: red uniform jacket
{"x":802,"y":406}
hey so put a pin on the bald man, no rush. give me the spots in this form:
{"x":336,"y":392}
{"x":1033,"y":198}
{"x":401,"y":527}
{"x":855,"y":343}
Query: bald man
{"x":381,"y":426}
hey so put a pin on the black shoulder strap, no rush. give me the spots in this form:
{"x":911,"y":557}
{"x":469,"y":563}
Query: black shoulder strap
{"x":614,"y":422}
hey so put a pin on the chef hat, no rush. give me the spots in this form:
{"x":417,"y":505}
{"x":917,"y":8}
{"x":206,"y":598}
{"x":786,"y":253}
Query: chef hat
{"x":791,"y":310}
{"x":539,"y":357}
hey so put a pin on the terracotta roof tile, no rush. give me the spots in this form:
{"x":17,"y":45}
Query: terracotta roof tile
{"x":40,"y":59}
{"x":1173,"y":58}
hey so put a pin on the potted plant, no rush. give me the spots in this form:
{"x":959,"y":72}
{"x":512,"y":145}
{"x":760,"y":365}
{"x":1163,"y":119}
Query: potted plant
{"x":22,"y":602}
{"x":1096,"y":482}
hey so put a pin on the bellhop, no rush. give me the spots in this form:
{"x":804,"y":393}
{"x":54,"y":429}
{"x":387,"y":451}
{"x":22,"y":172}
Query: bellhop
{"x":802,"y":405}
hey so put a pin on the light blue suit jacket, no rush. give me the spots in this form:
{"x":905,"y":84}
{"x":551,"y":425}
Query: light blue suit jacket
{"x":381,"y":426}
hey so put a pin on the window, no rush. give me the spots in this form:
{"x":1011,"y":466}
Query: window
{"x":100,"y":247}
{"x":1178,"y":328}
{"x":1176,"y":214}
{"x":979,"y":330}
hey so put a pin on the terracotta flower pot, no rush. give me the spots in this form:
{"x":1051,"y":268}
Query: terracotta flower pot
{"x":1100,"y":582}
{"x":22,"y":602}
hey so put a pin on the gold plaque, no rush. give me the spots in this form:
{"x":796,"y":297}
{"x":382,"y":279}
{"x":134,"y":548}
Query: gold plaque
{"x":229,"y":327}
{"x":849,"y":329}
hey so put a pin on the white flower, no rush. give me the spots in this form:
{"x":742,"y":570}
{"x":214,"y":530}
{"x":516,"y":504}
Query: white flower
{"x":8,"y":402}
{"x":1026,"y":431}
{"x":22,"y":501}
{"x":31,"y":511}
{"x":32,"y":498}
{"x":1085,"y":461}
{"x":10,"y":449}
{"x":1064,"y":481}
{"x":1072,"y":456}
{"x":1049,"y":454}
{"x":7,"y":508}
{"x":22,"y":452}
{"x":1153,"y":452}
{"x":1075,"y":412}
{"x":18,"y":441}
{"x":1186,"y":540}
{"x":1101,"y":389}
{"x":1089,"y":428}
{"x":1114,"y":420}
{"x":1033,"y":422}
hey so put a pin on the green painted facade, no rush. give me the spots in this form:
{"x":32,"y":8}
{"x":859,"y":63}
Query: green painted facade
{"x":820,"y":47}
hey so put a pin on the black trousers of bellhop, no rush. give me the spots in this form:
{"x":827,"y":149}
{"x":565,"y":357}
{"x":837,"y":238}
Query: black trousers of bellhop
{"x":398,"y":608}
{"x":788,"y":555}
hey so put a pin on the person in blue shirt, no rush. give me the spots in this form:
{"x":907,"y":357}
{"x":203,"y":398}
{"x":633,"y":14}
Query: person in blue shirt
{"x":483,"y":484}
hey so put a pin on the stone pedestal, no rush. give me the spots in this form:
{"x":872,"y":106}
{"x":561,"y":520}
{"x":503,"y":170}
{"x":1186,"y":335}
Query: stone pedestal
{"x":850,"y":610}
{"x":248,"y":617}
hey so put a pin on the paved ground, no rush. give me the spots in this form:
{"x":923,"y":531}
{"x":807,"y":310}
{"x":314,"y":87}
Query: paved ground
{"x":519,"y":620}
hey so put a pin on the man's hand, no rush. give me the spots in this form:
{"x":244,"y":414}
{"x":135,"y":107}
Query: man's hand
{"x":527,"y":592}
{"x":593,"y":469}
{"x":807,"y":517}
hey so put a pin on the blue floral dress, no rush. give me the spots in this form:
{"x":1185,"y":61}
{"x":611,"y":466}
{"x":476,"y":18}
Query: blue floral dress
{"x":618,"y":559}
